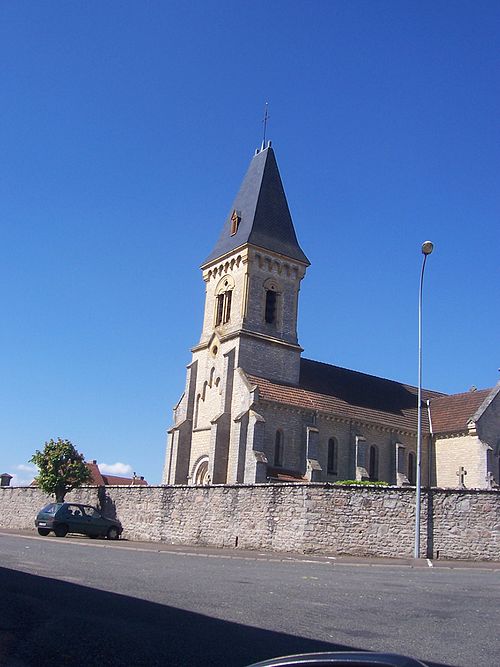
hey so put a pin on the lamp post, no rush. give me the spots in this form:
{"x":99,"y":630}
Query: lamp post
{"x":427,"y":248}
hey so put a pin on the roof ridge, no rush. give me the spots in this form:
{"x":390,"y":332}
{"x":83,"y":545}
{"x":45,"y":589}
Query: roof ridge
{"x":441,"y":394}
{"x":476,"y":392}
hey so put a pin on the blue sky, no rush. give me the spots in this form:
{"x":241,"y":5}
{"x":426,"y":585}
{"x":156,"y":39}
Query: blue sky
{"x":126,"y":130}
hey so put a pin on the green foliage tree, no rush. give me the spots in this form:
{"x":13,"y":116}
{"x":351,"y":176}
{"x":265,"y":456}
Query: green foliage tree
{"x":61,"y":468}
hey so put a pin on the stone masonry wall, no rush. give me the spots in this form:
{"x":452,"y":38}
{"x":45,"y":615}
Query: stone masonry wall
{"x":307,"y":518}
{"x":460,"y":450}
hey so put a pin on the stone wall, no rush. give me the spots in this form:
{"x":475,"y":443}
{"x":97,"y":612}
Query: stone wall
{"x":307,"y":518}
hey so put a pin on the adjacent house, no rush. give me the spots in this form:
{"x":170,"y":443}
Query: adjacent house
{"x":103,"y":479}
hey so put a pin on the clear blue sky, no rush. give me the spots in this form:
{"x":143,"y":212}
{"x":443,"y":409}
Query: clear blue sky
{"x":126,"y":128}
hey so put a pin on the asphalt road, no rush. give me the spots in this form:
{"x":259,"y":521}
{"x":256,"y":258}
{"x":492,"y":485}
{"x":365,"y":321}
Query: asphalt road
{"x":80,"y":602}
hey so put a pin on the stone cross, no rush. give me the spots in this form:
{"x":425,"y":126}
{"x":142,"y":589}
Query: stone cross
{"x":461,"y":472}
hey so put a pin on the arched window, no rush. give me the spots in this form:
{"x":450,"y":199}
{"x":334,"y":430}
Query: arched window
{"x":223,"y":298}
{"x":272,"y":291}
{"x":270,"y":315}
{"x":412,"y":472}
{"x":278,"y":449}
{"x":373,"y":463}
{"x":197,"y":410}
{"x":331,"y":466}
{"x":200,"y":474}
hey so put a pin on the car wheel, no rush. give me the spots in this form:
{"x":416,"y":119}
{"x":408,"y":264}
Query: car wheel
{"x":93,"y":537}
{"x":113,"y":533}
{"x":61,"y":531}
{"x":43,"y":531}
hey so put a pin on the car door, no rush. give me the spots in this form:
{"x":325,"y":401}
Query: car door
{"x":95,"y":524}
{"x":74,"y":518}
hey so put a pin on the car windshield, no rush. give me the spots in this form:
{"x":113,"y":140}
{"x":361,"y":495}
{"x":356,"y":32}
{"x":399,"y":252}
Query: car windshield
{"x":51,"y":508}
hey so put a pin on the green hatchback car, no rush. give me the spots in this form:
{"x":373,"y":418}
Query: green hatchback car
{"x":64,"y":518}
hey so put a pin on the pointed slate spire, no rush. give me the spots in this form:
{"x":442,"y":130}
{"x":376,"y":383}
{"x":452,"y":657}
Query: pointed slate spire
{"x":260,"y":213}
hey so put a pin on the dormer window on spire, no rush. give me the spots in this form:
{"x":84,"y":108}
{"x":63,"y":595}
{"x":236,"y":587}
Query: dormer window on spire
{"x":235,"y":221}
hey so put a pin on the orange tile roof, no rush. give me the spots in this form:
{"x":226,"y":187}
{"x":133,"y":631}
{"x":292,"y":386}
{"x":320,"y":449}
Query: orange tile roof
{"x":348,"y":394}
{"x":451,"y":413}
{"x":99,"y":479}
{"x":113,"y":480}
{"x":96,"y":477}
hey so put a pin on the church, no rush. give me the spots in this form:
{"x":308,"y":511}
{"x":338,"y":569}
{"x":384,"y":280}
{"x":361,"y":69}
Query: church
{"x":254,"y":410}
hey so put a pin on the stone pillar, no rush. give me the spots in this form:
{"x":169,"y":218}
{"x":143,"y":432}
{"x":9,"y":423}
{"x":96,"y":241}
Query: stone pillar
{"x":313,"y":467}
{"x":221,"y":426}
{"x":401,"y":477}
{"x":256,"y":460}
{"x":237,"y":449}
{"x":178,"y":454}
{"x":360,"y":458}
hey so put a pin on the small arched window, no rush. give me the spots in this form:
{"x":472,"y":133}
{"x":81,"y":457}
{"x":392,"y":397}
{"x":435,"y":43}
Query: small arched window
{"x":270,"y":314}
{"x":331,"y":466}
{"x":197,"y":410}
{"x":200,"y":474}
{"x":272,"y":291}
{"x":278,"y":449}
{"x":373,"y":463}
{"x":223,"y":299}
{"x":412,"y":473}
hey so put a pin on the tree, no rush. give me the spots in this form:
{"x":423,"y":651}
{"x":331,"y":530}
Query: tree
{"x":61,"y":468}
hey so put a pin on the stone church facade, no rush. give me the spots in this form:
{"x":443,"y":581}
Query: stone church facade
{"x":255,"y":411}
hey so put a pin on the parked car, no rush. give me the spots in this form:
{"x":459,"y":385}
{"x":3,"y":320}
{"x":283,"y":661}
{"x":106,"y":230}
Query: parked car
{"x":64,"y":518}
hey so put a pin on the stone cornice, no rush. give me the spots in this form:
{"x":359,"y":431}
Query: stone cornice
{"x":249,"y":334}
{"x":452,"y":434}
{"x":226,"y":263}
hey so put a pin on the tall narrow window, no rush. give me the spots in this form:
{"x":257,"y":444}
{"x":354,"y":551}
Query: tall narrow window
{"x":223,"y":300}
{"x":270,"y":314}
{"x":411,"y":468}
{"x":331,"y":466}
{"x":227,"y":306}
{"x":219,"y":313}
{"x":278,"y":449}
{"x":373,"y":463}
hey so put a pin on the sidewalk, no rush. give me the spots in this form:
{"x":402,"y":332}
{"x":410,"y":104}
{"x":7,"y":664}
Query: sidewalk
{"x":247,"y":554}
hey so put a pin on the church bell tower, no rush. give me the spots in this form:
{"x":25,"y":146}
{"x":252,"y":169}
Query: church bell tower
{"x":253,"y":277}
{"x":252,"y":281}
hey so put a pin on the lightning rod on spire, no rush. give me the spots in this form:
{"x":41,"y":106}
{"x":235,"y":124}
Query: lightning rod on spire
{"x":264,"y":121}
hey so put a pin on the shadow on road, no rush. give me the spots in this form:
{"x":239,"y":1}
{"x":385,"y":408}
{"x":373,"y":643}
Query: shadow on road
{"x":46,"y":621}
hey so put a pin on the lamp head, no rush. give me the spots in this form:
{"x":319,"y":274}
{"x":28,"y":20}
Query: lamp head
{"x":427,"y":247}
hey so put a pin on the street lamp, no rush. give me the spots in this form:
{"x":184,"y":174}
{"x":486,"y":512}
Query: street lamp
{"x":427,"y":248}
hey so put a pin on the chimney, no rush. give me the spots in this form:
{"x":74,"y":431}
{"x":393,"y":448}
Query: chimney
{"x":5,"y":479}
